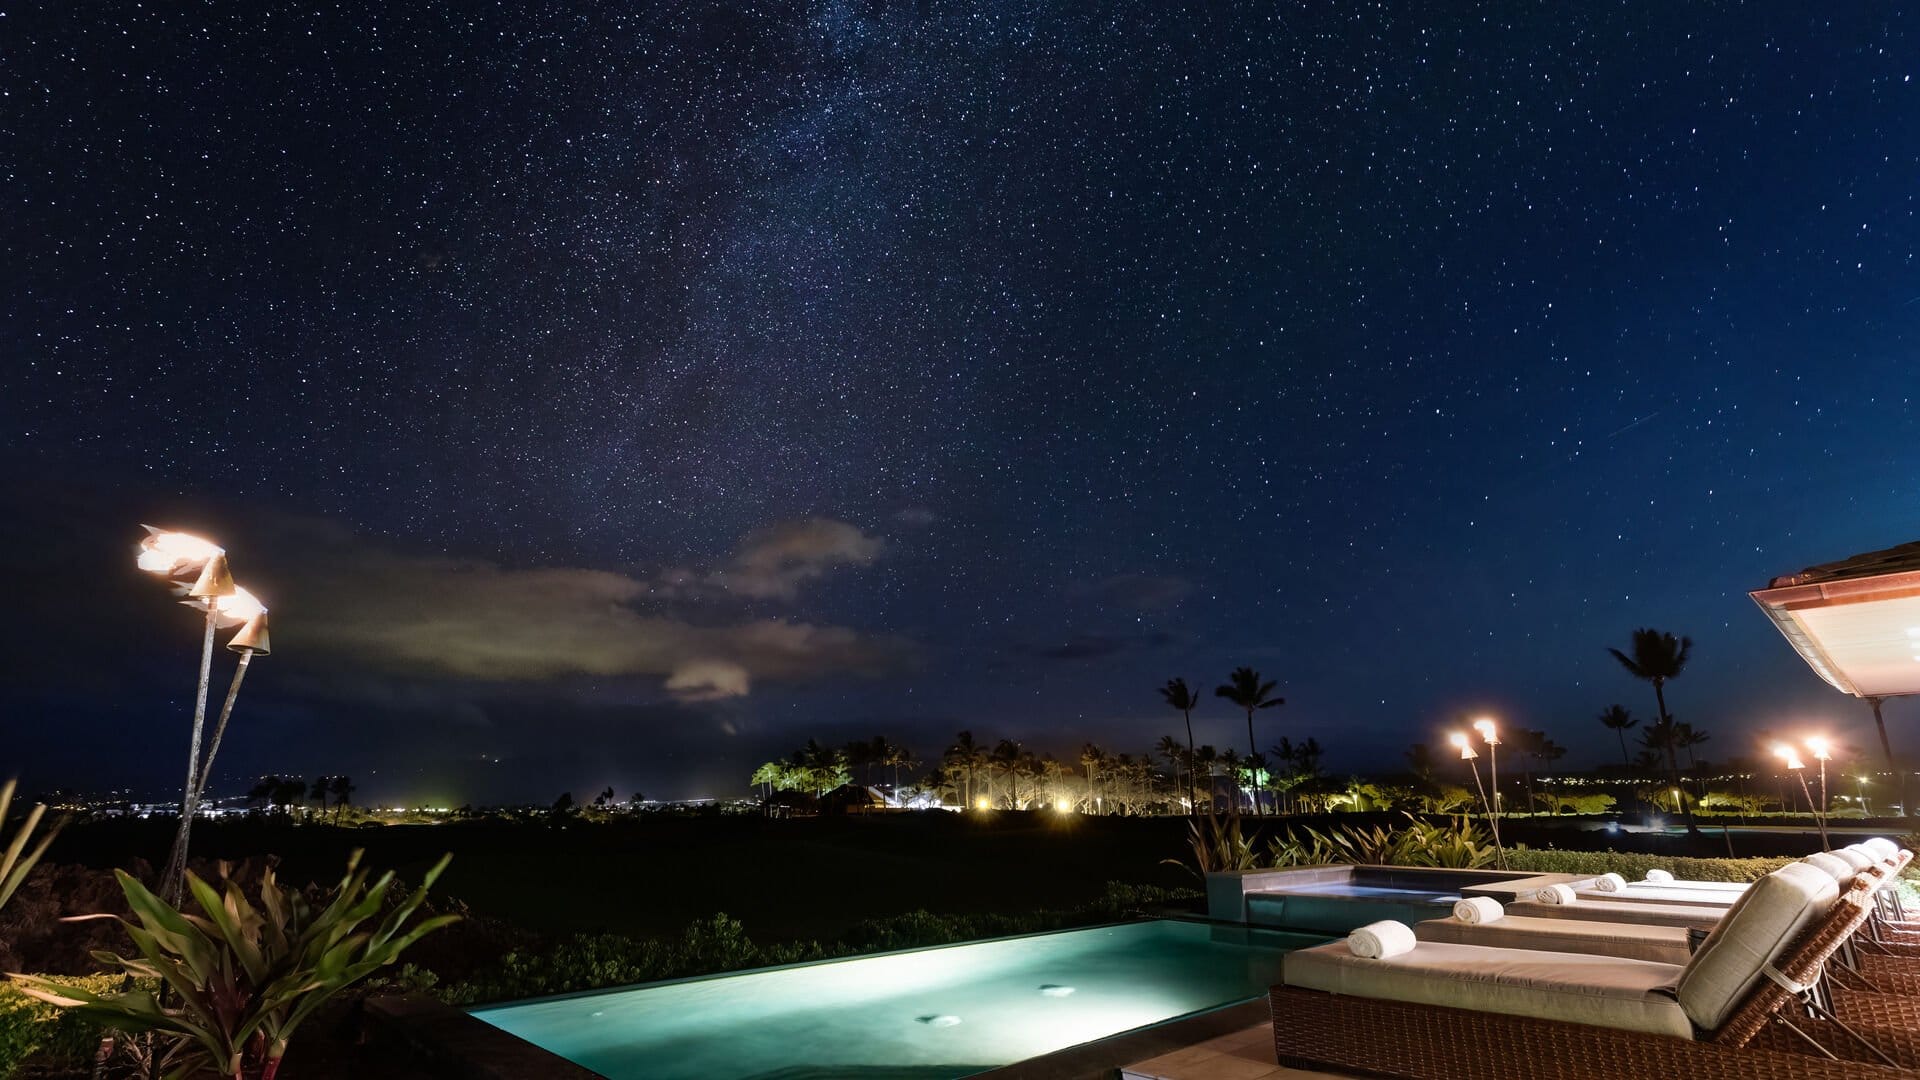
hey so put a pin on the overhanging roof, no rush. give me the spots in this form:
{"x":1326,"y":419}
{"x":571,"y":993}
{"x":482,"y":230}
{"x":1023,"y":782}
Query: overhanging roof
{"x":1856,"y":622}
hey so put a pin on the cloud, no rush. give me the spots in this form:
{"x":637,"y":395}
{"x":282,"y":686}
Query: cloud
{"x":1095,"y":646}
{"x":1141,"y":592}
{"x":709,"y":680}
{"x":773,"y":563}
{"x":915,"y":517}
{"x":478,"y":619}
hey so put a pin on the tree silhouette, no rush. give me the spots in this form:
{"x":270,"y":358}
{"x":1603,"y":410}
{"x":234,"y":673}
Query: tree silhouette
{"x":1656,"y":657}
{"x":1245,"y":689}
{"x":1619,"y":720}
{"x":1177,"y":695}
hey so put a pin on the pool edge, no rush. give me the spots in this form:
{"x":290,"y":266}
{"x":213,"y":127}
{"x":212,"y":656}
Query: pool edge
{"x":467,"y":1045}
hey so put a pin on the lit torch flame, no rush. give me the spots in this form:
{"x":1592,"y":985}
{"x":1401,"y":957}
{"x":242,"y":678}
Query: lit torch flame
{"x":171,"y":553}
{"x":233,"y":609}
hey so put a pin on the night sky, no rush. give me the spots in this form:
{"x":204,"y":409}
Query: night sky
{"x":621,"y":398}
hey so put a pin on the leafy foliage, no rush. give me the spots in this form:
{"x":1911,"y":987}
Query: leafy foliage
{"x":721,"y":943}
{"x":16,"y":862}
{"x":245,"y":977}
{"x":1460,"y":844}
{"x":1633,"y":866}
{"x":1219,"y":844}
{"x":33,"y":1028}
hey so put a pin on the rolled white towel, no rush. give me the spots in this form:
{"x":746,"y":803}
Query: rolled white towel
{"x":1557,"y":894}
{"x":1377,"y":941}
{"x":1659,"y":876}
{"x":1478,"y":909}
{"x":1610,"y":883}
{"x":1886,"y":849}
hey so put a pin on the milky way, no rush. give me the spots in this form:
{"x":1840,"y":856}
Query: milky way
{"x":1411,"y":356}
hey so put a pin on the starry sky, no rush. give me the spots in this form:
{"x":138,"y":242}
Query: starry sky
{"x":623,"y":393}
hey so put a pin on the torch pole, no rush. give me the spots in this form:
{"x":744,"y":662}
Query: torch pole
{"x":1493,"y":776}
{"x":177,"y":858}
{"x":220,"y":727}
{"x":1817,"y":819}
{"x":1500,"y":851}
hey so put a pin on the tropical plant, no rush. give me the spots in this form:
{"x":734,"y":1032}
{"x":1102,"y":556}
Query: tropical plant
{"x":1245,"y":689}
{"x":1179,"y":696}
{"x":245,"y":977}
{"x":1219,"y":844}
{"x":1458,"y":845}
{"x":16,"y":862}
{"x":1619,"y":720}
{"x":1657,"y":657}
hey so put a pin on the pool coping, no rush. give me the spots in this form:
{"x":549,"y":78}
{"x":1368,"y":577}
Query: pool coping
{"x":1103,"y":1058}
{"x":467,"y":1046}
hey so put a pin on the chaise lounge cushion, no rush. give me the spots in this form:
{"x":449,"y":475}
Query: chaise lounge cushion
{"x":1634,"y":995}
{"x":1758,"y":928}
{"x":1691,"y":916}
{"x":1642,"y":893}
{"x":1660,"y":944}
{"x":1836,"y":867}
{"x":1859,"y":860}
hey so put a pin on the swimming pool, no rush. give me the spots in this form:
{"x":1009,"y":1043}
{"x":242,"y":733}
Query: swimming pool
{"x":928,"y":1014}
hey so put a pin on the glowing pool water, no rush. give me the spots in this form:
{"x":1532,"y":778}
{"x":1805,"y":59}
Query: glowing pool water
{"x":926,"y":1014}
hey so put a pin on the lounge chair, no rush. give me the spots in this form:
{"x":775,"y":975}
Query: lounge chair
{"x":1629,"y":941}
{"x":1462,"y":1012}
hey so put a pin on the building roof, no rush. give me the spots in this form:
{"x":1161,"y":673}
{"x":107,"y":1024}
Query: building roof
{"x":1893,"y":560}
{"x":1856,"y":622}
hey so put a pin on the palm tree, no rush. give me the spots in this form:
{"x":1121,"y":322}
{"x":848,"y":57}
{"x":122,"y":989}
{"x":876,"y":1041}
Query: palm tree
{"x":261,"y":793}
{"x":341,"y":788}
{"x":896,"y":758}
{"x":1620,"y":721}
{"x":317,"y":791}
{"x":1204,"y":760}
{"x":288,"y":794}
{"x":1245,"y":689}
{"x":1169,"y":748}
{"x":1178,"y":696}
{"x":1092,"y":759}
{"x":966,"y":755}
{"x":1008,"y":759}
{"x":1656,"y":657}
{"x":1686,"y":738}
{"x":1230,"y":765}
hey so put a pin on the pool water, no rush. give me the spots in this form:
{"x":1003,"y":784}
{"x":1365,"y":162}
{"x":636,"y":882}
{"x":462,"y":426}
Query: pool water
{"x":928,"y":1014}
{"x":1337,"y":907}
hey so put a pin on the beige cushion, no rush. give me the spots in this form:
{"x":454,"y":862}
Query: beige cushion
{"x":1859,"y":860}
{"x":1661,"y":944}
{"x":1882,"y":848}
{"x":1760,"y":926}
{"x":1836,"y":867}
{"x":1682,"y":915}
{"x":1604,"y":990}
{"x":1724,"y":889}
{"x":1641,"y":893}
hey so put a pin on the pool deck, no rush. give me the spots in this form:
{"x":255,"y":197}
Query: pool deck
{"x":1246,"y":1054}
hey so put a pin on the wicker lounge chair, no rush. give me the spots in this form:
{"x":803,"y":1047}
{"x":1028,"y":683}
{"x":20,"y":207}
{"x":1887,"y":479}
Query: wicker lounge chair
{"x":1630,"y":941}
{"x":1721,"y":1016}
{"x":1686,"y":916}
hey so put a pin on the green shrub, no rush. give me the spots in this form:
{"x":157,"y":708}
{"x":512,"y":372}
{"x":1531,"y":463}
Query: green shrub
{"x":1634,"y":867}
{"x":591,"y":961}
{"x":56,"y":1036}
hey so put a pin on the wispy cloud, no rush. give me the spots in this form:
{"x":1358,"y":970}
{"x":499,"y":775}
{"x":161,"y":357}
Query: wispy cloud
{"x":479,"y":619}
{"x":1140,"y":592}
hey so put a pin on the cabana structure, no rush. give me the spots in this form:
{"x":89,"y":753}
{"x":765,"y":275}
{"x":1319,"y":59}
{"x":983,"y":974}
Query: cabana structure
{"x":1856,"y":622}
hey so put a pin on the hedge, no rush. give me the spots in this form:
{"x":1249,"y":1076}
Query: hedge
{"x":1634,"y":867}
{"x":30,"y":1028}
